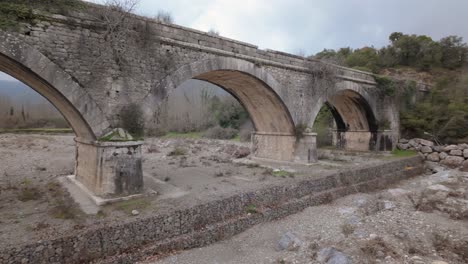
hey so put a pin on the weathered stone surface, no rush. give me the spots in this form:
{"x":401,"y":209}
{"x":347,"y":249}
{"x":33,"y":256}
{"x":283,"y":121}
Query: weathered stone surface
{"x":456,"y":152}
{"x":403,"y":146}
{"x":465,"y":153}
{"x":443,"y":155}
{"x":289,"y":241}
{"x":434,"y":156}
{"x":465,"y":166}
{"x":452,"y":161}
{"x":463,"y":146}
{"x":450,"y":147}
{"x":331,"y":255}
{"x":425,"y":142}
{"x":413,"y":143}
{"x":403,"y":141}
{"x":438,"y":148}
{"x":426,"y":149}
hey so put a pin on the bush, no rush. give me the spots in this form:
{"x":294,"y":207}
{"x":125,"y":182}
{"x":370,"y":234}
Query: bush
{"x":219,"y":132}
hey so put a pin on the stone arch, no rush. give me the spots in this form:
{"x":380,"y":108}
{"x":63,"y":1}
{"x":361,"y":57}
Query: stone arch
{"x":354,"y":115}
{"x":253,"y":87}
{"x":31,"y":67}
{"x":351,"y":105}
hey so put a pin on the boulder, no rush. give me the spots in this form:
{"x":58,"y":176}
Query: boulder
{"x":403,"y":146}
{"x":463,"y":146}
{"x":413,"y":143}
{"x":403,"y":141}
{"x":465,"y":153}
{"x":434,"y":156}
{"x":438,"y":148}
{"x":456,"y":152}
{"x":464,"y":166}
{"x":289,"y":241}
{"x":450,"y":147}
{"x":332,"y":256}
{"x":426,"y":149}
{"x":452,"y":161}
{"x":425,"y":142}
{"x":443,"y":155}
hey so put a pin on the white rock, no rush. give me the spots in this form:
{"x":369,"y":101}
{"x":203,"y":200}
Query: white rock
{"x":456,"y":152}
{"x":450,"y":147}
{"x":425,"y":149}
{"x":332,"y":256}
{"x":465,"y":153}
{"x":289,"y":241}
{"x":135,"y":212}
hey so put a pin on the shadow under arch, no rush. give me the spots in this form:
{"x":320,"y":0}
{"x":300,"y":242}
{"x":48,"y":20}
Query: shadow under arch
{"x":351,"y":112}
{"x":356,"y":125}
{"x":31,"y":67}
{"x":252,"y":86}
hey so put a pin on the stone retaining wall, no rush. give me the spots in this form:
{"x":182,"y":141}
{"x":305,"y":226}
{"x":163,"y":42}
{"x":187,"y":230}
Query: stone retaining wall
{"x":210,"y":222}
{"x":452,"y":156}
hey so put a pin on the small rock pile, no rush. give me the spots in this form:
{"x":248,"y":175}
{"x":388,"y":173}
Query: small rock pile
{"x":452,"y":156}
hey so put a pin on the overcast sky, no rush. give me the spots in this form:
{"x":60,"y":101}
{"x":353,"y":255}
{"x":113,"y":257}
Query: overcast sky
{"x":312,"y":25}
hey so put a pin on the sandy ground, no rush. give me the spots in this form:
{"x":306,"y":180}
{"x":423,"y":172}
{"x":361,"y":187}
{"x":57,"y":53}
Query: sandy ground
{"x":421,"y":220}
{"x":182,"y":172}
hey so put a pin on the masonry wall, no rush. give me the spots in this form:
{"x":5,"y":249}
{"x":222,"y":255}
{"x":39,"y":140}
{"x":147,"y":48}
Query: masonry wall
{"x":118,"y":71}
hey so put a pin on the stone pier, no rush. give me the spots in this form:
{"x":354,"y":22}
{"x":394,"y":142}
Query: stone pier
{"x":109,"y":169}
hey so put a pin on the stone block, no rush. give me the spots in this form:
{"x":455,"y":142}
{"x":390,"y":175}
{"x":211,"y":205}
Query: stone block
{"x":456,"y":152}
{"x":452,"y":161}
{"x":443,"y":155}
{"x":426,"y":149}
{"x":434,"y":156}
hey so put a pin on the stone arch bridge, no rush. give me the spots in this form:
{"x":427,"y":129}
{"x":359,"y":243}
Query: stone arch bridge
{"x":89,"y":73}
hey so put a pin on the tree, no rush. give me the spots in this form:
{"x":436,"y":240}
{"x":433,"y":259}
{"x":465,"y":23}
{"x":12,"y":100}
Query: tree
{"x":395,"y":36}
{"x":453,"y":52}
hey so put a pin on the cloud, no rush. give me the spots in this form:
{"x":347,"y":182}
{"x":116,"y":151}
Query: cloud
{"x":312,"y":25}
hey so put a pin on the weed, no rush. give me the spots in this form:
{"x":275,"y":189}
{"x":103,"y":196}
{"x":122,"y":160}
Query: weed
{"x":398,"y":153}
{"x":251,"y":209}
{"x":28,"y":193}
{"x":133,"y":204}
{"x":347,"y":229}
{"x":282,"y":174}
{"x":64,"y":209}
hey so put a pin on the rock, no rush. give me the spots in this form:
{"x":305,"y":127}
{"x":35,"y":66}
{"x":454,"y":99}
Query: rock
{"x":386,"y":205}
{"x":403,"y":146}
{"x":443,"y":155}
{"x":289,"y":241}
{"x":332,"y":256}
{"x":452,"y":161}
{"x":416,"y":260}
{"x":439,"y":262}
{"x":425,"y":149}
{"x":450,"y":147}
{"x":434,"y":166}
{"x":425,"y":142}
{"x":456,"y":152}
{"x":463,"y":146}
{"x":403,"y":141}
{"x":242,"y":152}
{"x":434,"y":156}
{"x":413,"y":143}
{"x":465,"y":153}
{"x":135,"y":212}
{"x":438,"y":148}
{"x":464,"y":166}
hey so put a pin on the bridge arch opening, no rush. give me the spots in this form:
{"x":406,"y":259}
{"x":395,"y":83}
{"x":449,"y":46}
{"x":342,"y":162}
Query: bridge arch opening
{"x":346,"y":121}
{"x":254,"y":89}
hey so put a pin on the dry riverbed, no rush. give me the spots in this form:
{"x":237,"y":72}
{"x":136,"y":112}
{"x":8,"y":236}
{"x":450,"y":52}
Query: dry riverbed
{"x":179,"y":173}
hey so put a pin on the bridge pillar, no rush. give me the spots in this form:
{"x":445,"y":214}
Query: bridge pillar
{"x":109,"y":169}
{"x":363,"y":140}
{"x":284,"y":147}
{"x":306,"y":149}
